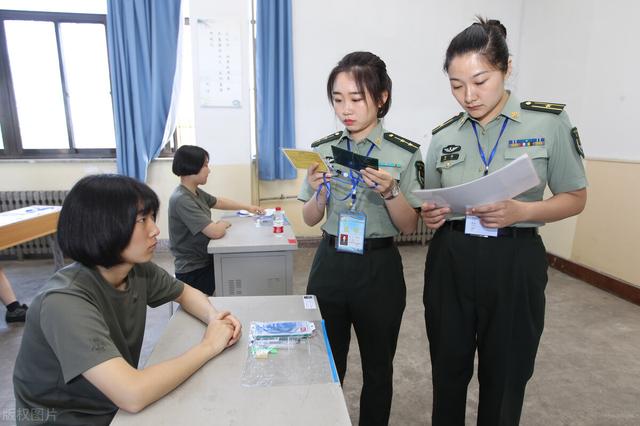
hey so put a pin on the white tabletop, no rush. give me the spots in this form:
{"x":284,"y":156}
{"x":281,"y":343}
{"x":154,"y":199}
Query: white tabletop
{"x":26,"y":213}
{"x":246,"y":235}
{"x":215,"y":395}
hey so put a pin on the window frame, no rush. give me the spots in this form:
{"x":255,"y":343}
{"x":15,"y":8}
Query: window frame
{"x":9,"y":122}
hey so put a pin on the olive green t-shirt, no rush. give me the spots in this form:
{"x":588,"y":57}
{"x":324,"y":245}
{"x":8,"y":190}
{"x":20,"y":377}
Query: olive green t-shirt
{"x":189,"y":214}
{"x":453,"y":156}
{"x":398,"y":159}
{"x":79,"y":321}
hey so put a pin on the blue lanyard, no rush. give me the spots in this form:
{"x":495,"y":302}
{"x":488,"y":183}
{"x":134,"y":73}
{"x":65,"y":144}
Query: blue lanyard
{"x":493,"y":151}
{"x":355,"y":177}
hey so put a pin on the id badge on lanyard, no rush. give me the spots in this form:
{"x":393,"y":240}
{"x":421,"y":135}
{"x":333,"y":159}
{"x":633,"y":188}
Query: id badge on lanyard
{"x":351,"y":232}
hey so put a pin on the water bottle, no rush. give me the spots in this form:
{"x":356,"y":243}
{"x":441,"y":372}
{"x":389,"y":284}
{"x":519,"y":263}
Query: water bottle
{"x":278,"y":222}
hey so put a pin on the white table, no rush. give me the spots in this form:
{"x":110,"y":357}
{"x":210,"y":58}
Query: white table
{"x":215,"y":394}
{"x":251,"y":260}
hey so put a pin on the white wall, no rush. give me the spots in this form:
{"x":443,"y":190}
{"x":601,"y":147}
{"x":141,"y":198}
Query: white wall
{"x":224,"y":132}
{"x":584,"y":53}
{"x":410,"y":36}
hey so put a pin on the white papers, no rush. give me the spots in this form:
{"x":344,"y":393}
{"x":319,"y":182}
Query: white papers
{"x":503,"y":184}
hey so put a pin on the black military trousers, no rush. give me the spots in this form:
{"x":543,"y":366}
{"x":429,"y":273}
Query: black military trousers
{"x":485,"y":294}
{"x":203,"y":279}
{"x":367,"y":291}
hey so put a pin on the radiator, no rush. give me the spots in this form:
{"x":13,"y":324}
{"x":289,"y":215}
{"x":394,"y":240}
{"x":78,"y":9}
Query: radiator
{"x":422,"y":235}
{"x":11,"y":200}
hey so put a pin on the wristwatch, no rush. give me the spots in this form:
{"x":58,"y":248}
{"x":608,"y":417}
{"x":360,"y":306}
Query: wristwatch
{"x":393,"y":193}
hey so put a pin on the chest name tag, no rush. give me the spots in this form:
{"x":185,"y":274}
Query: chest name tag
{"x":449,"y":157}
{"x":472,"y":226}
{"x":351,"y":232}
{"x":518,"y":143}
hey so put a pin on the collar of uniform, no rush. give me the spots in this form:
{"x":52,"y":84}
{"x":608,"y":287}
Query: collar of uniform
{"x":510,"y":110}
{"x":374,"y":136}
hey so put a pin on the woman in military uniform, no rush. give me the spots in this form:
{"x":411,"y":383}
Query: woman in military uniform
{"x":487,"y":292}
{"x":357,"y":274}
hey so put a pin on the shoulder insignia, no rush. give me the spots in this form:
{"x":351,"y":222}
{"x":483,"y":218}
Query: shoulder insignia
{"x":402,"y":142}
{"x":331,"y":137}
{"x":543,"y":106}
{"x":576,"y":141}
{"x":446,"y":123}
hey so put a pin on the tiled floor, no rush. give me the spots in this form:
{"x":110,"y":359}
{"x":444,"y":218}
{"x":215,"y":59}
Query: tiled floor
{"x":587,"y":370}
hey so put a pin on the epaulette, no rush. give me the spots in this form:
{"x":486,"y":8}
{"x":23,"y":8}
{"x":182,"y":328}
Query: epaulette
{"x":402,"y":142}
{"x":543,"y":106}
{"x":446,"y":123}
{"x":331,"y":137}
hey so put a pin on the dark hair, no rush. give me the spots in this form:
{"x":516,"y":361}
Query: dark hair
{"x":487,"y":37}
{"x":370,"y":74}
{"x":188,"y":160}
{"x":98,"y":216}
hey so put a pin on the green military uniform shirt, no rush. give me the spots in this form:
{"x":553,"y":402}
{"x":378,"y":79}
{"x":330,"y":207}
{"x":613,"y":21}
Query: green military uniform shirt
{"x":545,"y":134}
{"x":189,"y":214}
{"x":77,"y":322}
{"x":402,"y":161}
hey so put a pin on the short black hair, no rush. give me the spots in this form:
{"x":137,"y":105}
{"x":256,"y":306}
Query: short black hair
{"x":98,"y":216}
{"x":188,"y":160}
{"x":369,"y":73}
{"x":486,"y":37}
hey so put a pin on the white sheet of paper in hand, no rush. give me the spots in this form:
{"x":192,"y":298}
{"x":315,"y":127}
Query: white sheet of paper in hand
{"x":503,"y":184}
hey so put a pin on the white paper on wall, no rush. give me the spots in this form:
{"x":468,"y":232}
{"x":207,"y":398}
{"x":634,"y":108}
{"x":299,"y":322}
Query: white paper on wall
{"x":219,"y":63}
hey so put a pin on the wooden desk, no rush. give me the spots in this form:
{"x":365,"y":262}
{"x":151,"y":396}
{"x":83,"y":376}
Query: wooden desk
{"x":215,"y":394}
{"x":28,"y":223}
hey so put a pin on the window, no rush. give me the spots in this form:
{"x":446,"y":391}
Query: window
{"x":55,"y":88}
{"x":55,"y":80}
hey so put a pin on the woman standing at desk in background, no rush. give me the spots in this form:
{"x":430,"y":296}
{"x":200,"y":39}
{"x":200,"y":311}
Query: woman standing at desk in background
{"x":488,"y":292}
{"x":83,"y":336}
{"x":366,"y":290}
{"x":190,"y":224}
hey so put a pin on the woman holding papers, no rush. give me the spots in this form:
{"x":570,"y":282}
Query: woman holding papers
{"x":357,"y":272}
{"x":190,"y":224}
{"x":484,"y":289}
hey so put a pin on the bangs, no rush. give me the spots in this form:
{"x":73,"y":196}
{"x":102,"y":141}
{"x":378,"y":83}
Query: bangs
{"x":148,"y":203}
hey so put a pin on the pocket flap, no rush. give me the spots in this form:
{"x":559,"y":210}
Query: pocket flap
{"x":446,"y":161}
{"x":532,"y":151}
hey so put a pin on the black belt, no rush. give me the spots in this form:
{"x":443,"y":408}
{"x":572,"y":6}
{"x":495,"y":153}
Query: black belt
{"x":369,"y":243}
{"x":508,"y":232}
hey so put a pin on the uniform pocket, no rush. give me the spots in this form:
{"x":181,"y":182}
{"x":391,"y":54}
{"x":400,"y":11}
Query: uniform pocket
{"x":451,"y":168}
{"x":540,"y":158}
{"x":448,"y":161}
{"x":534,"y":152}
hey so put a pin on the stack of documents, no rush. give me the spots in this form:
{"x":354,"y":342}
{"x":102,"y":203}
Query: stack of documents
{"x":503,"y":184}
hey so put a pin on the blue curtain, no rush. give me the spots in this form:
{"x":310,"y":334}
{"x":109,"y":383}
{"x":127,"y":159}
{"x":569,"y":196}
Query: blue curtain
{"x":142,"y":37}
{"x":274,"y":80}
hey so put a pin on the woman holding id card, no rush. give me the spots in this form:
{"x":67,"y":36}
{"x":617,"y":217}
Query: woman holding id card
{"x":357,"y":274}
